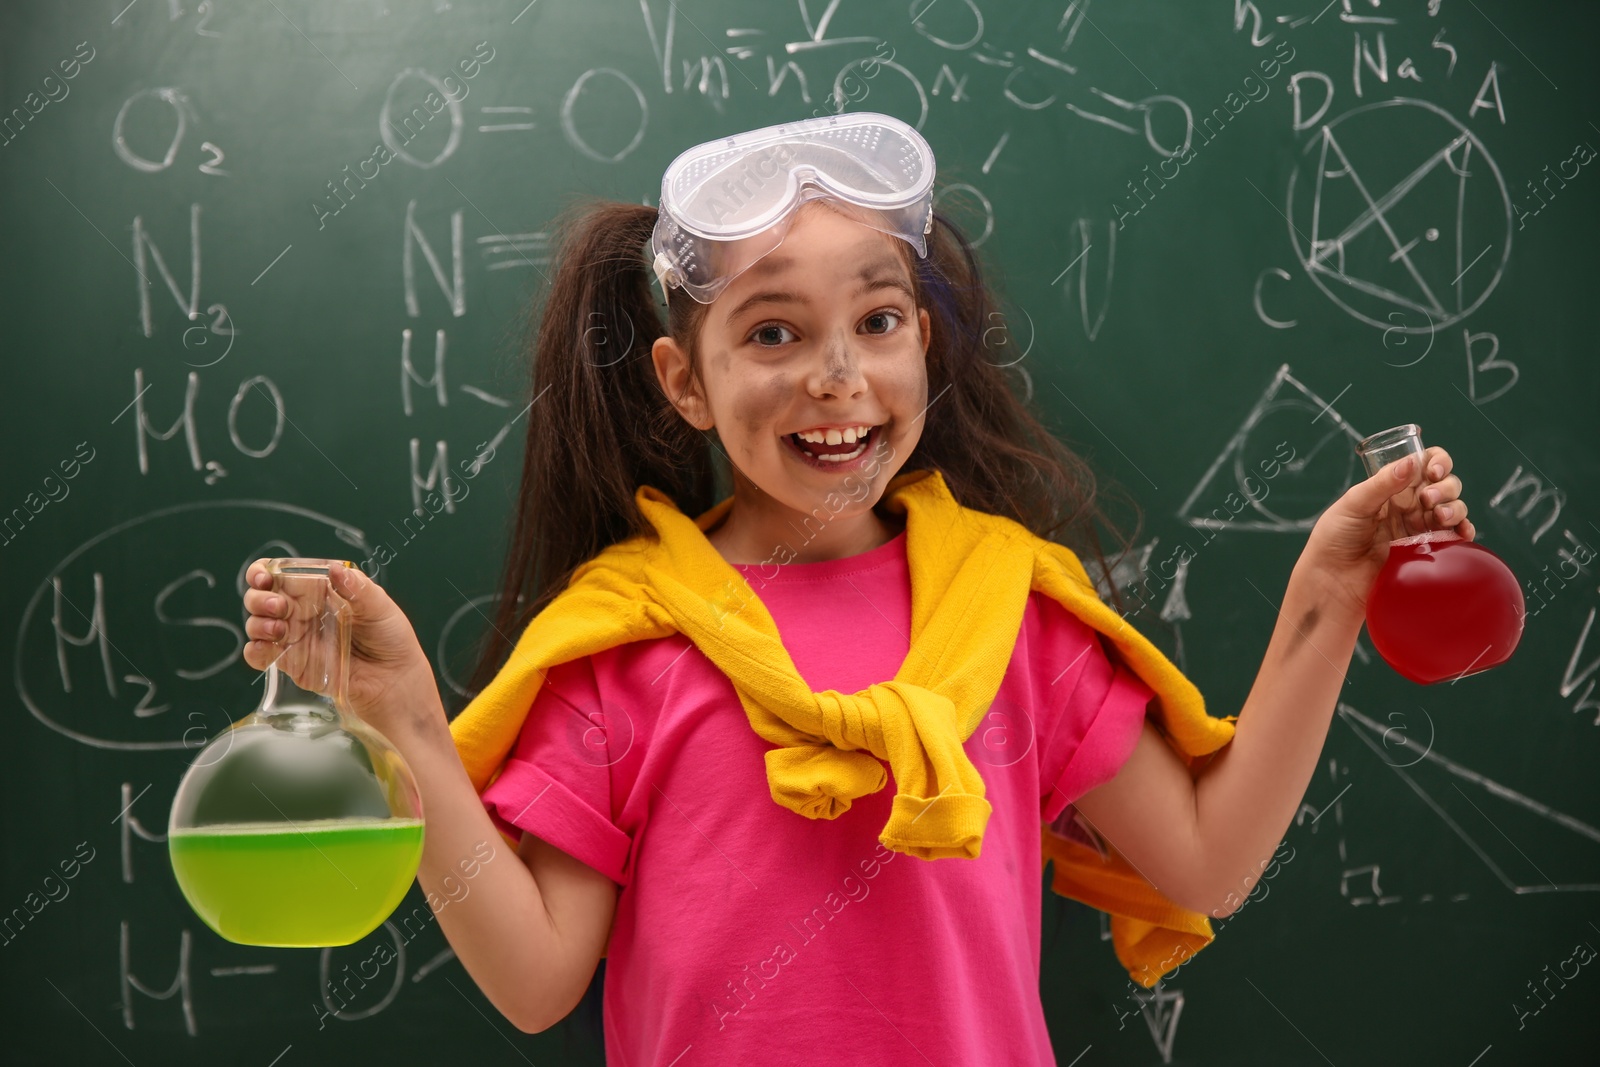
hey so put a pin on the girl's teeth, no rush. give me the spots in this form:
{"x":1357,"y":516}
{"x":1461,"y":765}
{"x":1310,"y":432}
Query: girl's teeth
{"x":841,"y":459}
{"x":848,"y":436}
{"x":826,"y":458}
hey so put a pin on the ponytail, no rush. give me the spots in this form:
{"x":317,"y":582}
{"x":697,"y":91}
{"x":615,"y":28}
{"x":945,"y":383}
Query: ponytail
{"x":600,"y":425}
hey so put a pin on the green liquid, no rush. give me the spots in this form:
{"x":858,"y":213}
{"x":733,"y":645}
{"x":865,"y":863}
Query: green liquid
{"x":310,"y":885}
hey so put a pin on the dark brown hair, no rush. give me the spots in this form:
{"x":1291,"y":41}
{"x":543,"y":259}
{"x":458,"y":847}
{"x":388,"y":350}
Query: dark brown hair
{"x":602,"y":425}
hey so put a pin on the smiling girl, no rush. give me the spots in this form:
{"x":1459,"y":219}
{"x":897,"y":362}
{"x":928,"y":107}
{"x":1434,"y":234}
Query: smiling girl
{"x":786,"y":756}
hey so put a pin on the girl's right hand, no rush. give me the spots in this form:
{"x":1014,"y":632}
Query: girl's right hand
{"x":390,"y":677}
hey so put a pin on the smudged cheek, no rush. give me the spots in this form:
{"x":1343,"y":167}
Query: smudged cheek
{"x":756,"y":407}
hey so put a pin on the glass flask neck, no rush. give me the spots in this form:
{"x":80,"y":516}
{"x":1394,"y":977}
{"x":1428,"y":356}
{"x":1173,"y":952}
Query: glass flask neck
{"x":283,"y":700}
{"x":1430,"y":538}
{"x":1384,"y":448}
{"x":310,"y":674}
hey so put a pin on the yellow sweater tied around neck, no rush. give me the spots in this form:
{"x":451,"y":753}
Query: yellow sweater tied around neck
{"x":971,"y":573}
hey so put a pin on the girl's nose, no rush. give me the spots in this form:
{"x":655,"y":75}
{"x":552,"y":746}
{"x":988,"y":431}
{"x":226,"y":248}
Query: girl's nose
{"x":841,"y":363}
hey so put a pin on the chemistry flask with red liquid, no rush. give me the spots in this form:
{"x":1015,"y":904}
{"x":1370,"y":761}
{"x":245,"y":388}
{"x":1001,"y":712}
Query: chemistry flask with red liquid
{"x":300,"y":826}
{"x":1442,"y":607}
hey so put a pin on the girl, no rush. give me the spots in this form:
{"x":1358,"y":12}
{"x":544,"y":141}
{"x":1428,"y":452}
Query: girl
{"x":761,"y":888}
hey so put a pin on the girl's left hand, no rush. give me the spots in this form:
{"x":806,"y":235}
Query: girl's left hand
{"x":1349,"y":544}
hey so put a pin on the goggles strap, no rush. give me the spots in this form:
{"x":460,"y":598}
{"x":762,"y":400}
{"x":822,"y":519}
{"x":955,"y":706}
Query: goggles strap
{"x":661,"y":267}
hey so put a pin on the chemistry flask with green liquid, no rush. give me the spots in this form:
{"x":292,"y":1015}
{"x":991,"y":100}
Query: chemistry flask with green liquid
{"x":301,"y":825}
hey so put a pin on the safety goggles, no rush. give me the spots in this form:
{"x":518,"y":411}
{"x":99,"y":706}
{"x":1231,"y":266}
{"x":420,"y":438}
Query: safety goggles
{"x":727,"y":203}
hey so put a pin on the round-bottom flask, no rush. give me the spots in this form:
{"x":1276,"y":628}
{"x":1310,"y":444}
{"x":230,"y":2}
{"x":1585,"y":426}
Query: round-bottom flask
{"x":301,"y":825}
{"x":1442,"y":607}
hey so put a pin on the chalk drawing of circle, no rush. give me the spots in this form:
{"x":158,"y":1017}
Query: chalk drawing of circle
{"x":965,"y":217}
{"x":137,"y":555}
{"x":1411,"y":224}
{"x":479,"y":611}
{"x":1331,"y":460}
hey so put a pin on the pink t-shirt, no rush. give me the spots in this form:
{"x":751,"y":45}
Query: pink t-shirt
{"x":747,"y":933}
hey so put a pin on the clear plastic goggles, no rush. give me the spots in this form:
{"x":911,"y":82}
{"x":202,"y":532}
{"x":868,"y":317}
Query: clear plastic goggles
{"x":727,"y":203}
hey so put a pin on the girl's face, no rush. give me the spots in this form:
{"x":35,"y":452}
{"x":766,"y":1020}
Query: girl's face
{"x":822,"y":333}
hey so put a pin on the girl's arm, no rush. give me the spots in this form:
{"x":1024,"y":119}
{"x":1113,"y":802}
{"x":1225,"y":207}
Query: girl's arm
{"x":1203,"y":838}
{"x":529,"y":932}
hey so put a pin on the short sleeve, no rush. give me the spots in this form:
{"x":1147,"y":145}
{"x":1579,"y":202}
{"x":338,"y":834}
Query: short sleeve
{"x":1094,"y":709}
{"x":557,"y":782}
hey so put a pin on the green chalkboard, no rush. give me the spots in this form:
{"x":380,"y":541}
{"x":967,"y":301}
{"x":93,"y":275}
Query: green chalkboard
{"x":267,"y":269}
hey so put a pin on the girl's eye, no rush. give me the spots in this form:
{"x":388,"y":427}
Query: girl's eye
{"x":886,"y":312}
{"x":767,"y":331}
{"x":764,"y":337}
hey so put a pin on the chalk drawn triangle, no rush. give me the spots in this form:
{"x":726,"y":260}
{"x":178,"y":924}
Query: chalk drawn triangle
{"x":1161,"y":1009}
{"x":1133,"y":570}
{"x":1377,"y":220}
{"x":1317,"y":432}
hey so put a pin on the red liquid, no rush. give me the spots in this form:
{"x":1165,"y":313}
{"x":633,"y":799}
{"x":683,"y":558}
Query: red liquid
{"x":1444,"y":608}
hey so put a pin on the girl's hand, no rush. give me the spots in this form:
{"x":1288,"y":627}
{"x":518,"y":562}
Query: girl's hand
{"x":390,"y":677}
{"x":1349,"y":544}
